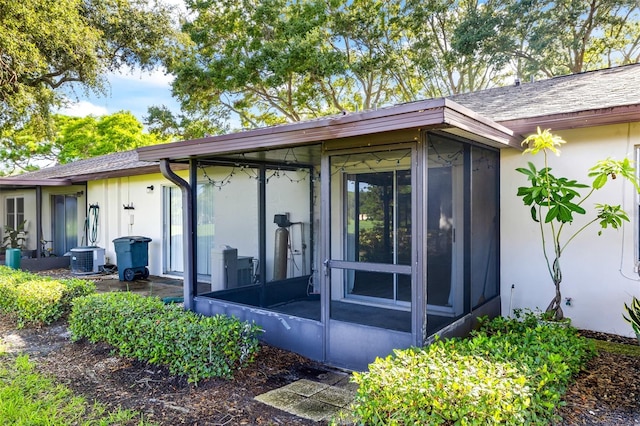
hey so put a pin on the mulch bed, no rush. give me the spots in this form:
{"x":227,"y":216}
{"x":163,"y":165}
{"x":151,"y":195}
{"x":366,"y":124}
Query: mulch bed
{"x":93,"y":371}
{"x":606,"y":393}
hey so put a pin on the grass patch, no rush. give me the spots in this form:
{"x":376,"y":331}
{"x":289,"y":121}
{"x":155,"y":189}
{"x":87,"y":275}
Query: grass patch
{"x":29,"y":398}
{"x":616,"y":348}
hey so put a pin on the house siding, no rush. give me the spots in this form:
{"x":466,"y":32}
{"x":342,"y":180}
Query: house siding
{"x":29,"y":196}
{"x":599,"y":272}
{"x":145,"y":219}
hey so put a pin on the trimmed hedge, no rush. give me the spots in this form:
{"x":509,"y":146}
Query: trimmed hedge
{"x":36,"y":300}
{"x":144,"y":328}
{"x":510,"y":371}
{"x":439,"y":386}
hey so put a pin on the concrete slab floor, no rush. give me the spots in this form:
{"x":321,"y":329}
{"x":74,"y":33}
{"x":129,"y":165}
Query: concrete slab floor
{"x":314,"y":400}
{"x":162,"y":287}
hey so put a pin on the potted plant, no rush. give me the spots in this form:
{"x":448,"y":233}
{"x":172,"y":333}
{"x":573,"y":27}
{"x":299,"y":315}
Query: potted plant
{"x":14,"y":238}
{"x":555,"y":200}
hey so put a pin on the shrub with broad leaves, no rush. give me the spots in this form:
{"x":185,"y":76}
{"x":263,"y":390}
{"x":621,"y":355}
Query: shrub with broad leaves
{"x":145,"y":328}
{"x":35,"y":300}
{"x":510,"y":371}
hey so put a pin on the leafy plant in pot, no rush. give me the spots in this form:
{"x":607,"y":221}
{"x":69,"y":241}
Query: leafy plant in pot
{"x":14,"y":238}
{"x":555,"y":200}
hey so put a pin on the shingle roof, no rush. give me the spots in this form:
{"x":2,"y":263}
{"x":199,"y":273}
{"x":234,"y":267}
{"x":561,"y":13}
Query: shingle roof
{"x":611,"y":87}
{"x":82,"y":170}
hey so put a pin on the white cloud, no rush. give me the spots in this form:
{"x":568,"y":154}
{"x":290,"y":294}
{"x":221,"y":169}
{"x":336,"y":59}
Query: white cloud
{"x":82,"y":109}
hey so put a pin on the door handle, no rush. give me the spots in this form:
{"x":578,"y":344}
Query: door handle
{"x":326,"y":265}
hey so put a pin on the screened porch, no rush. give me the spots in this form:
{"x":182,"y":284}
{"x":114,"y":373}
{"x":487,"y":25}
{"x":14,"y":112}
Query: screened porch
{"x":343,"y":249}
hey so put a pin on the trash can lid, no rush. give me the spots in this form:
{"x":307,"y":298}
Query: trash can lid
{"x":132,"y":239}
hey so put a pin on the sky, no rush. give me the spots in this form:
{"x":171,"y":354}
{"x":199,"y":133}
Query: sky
{"x":130,"y":90}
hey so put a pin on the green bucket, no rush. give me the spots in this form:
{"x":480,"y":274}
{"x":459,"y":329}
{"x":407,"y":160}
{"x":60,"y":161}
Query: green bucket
{"x":12,"y":258}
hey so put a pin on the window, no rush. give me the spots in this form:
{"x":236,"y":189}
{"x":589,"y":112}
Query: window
{"x":14,"y":211}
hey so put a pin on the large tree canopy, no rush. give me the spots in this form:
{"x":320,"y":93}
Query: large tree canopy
{"x":547,"y":38}
{"x":74,"y":138}
{"x":168,"y":126}
{"x":50,"y":48}
{"x":263,"y":62}
{"x":272,"y":61}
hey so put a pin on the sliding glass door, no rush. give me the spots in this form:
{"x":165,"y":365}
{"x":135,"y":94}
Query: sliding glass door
{"x":64,"y":223}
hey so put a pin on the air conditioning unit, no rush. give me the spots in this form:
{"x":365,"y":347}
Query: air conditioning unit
{"x":87,"y":260}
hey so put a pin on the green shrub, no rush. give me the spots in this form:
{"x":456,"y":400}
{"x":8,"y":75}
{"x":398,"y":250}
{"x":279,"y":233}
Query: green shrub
{"x":14,"y":275}
{"x":36,"y":300}
{"x":439,"y":386}
{"x":551,"y":355}
{"x":510,"y":371}
{"x":144,"y":328}
{"x":7,"y":296}
{"x":74,"y":288}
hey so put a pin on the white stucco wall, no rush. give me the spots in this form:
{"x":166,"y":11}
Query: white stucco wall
{"x":599,"y":272}
{"x":145,"y":219}
{"x":235,"y":207}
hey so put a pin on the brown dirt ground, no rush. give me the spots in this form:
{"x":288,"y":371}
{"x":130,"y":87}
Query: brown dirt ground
{"x":94,"y":372}
{"x":607,"y":392}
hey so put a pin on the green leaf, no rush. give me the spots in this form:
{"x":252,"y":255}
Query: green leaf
{"x":552,"y":214}
{"x":599,"y":181}
{"x":534,"y":214}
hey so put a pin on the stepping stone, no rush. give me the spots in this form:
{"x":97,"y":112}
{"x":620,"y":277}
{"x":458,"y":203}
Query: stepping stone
{"x":347,"y":384}
{"x":313,"y":410}
{"x":280,"y":398}
{"x":335,"y":396}
{"x":305,"y":387}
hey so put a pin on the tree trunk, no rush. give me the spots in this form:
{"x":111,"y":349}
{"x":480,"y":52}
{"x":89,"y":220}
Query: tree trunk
{"x":555,"y":307}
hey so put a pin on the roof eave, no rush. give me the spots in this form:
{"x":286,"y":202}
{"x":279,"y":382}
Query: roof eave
{"x":18,"y":182}
{"x":415,"y":115}
{"x":133,"y":171}
{"x":575,"y":120}
{"x":470,"y":124}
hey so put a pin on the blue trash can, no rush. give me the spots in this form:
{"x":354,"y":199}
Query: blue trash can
{"x":132,"y":255}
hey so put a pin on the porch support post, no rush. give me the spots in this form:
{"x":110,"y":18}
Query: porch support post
{"x":262,"y":231}
{"x":325,"y":247}
{"x":192,"y":215}
{"x":38,"y":221}
{"x":420,"y":184}
{"x":188,"y":237}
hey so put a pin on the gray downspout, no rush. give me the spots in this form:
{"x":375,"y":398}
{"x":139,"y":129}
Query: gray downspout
{"x":187,"y":236}
{"x":38,"y":221}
